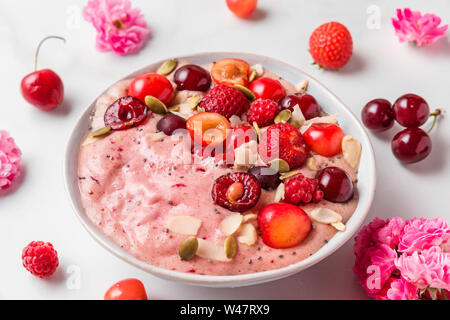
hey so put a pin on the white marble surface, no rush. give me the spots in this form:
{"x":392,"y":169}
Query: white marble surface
{"x":38,"y":208}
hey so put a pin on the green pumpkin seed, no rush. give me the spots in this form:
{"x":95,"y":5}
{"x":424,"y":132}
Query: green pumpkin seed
{"x":175,"y":108}
{"x":283,"y":116}
{"x":289,"y":174}
{"x":188,"y":248}
{"x":193,"y":102}
{"x":230,"y":247}
{"x":279,"y":165}
{"x":156,"y":105}
{"x":101,"y":131}
{"x":256,"y":127}
{"x":252,"y":75}
{"x":246,"y":91}
{"x":167,"y":67}
{"x":294,"y":122}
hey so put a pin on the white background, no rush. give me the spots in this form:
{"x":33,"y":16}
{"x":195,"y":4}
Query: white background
{"x":37,"y":208}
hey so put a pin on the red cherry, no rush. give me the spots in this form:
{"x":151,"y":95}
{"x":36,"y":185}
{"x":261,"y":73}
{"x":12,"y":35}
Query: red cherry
{"x":377,"y":115}
{"x":307,"y":103}
{"x":411,"y":110}
{"x":335,"y":184}
{"x":242,"y":134}
{"x":411,"y":145}
{"x":283,"y":225}
{"x":127,"y":289}
{"x":267,"y":88}
{"x":242,"y":8}
{"x":324,"y":139}
{"x":43,"y":88}
{"x":151,"y":84}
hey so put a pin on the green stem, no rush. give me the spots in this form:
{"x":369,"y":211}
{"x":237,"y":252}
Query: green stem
{"x":435,"y":115}
{"x":39,"y":47}
{"x":443,"y":294}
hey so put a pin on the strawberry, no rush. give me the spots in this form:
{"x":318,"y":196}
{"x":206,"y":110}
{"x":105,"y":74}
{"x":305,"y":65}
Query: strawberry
{"x":225,"y":100}
{"x":263,"y":112}
{"x":331,"y":45}
{"x":284,"y":141}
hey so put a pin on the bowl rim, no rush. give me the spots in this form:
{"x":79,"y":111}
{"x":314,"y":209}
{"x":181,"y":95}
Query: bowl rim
{"x":232,"y":280}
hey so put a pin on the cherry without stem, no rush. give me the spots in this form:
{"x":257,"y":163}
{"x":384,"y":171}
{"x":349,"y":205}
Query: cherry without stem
{"x":377,"y":115}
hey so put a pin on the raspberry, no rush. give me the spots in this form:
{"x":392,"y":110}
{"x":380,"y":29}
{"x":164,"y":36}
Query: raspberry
{"x":302,"y":190}
{"x":40,"y":258}
{"x":225,"y":100}
{"x":284,"y":141}
{"x":239,"y":191}
{"x":263,"y":112}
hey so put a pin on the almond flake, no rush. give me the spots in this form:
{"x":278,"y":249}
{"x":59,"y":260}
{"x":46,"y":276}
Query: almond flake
{"x":351,"y":149}
{"x":339,"y":226}
{"x":158,"y":136}
{"x":246,"y":155}
{"x":279,"y":194}
{"x":90,"y":139}
{"x":326,"y":119}
{"x":311,"y":163}
{"x":324,"y":215}
{"x":187,"y":225}
{"x":231,"y":224}
{"x":258,"y":68}
{"x":297,"y":115}
{"x":247,"y":234}
{"x":235,"y":121}
{"x":209,"y":250}
{"x":302,"y":86}
{"x":249,"y":217}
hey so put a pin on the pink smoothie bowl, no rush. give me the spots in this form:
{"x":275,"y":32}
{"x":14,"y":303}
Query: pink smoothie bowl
{"x":329,"y":102}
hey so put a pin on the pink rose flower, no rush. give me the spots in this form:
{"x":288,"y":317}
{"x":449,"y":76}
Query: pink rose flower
{"x":10,"y":157}
{"x":430,"y":268}
{"x":120,"y":28}
{"x":420,"y":29}
{"x":366,"y":237}
{"x":399,"y":289}
{"x":420,"y":234}
{"x":391,"y":232}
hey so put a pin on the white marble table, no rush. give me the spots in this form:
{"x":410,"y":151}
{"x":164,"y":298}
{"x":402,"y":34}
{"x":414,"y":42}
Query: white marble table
{"x":39,"y":208}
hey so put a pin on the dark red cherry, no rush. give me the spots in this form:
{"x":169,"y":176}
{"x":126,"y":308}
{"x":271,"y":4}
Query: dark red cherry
{"x":335,"y":184}
{"x":307,"y":103}
{"x":377,"y":115}
{"x":169,"y":123}
{"x":269,"y":178}
{"x":125,"y":113}
{"x":192,"y":77}
{"x":411,"y":110}
{"x":411,"y":145}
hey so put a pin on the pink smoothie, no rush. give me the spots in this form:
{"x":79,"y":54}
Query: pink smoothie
{"x":130,"y":186}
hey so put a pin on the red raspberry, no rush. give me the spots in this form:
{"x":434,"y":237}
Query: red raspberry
{"x":40,"y":258}
{"x":283,"y":141}
{"x":331,"y":45}
{"x":263,"y":112}
{"x":225,"y":100}
{"x":302,"y":190}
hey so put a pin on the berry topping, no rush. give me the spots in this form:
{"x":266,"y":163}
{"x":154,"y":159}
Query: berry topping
{"x":242,"y":134}
{"x":283,"y":225}
{"x":331,"y":45}
{"x":267,"y":177}
{"x":411,"y":110}
{"x":127,"y":289}
{"x":377,"y":115}
{"x":307,"y":103}
{"x":151,"y":84}
{"x":335,"y":184}
{"x":230,"y":71}
{"x":237,"y":191}
{"x":302,"y":190}
{"x":192,"y":77}
{"x":263,"y":112}
{"x":285,"y":142}
{"x":225,"y":100}
{"x":125,"y":113}
{"x":40,"y":258}
{"x":267,"y":88}
{"x":411,"y":145}
{"x":324,"y":139}
{"x":208,"y":128}
{"x":169,"y":123}
{"x":242,"y":8}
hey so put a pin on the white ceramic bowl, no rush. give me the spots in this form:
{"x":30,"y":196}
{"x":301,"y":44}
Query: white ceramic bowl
{"x":328,"y":101}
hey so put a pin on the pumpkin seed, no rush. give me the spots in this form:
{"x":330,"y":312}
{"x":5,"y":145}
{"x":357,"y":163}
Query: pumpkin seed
{"x":283,"y":116}
{"x":101,"y":131}
{"x":200,"y":109}
{"x":247,"y":93}
{"x":193,"y":102}
{"x":188,"y":248}
{"x":256,"y":127}
{"x":294,"y":122}
{"x":156,"y":105}
{"x":230,"y":247}
{"x":252,"y":75}
{"x":167,"y":67}
{"x":289,"y":174}
{"x":279,"y":165}
{"x":175,"y":108}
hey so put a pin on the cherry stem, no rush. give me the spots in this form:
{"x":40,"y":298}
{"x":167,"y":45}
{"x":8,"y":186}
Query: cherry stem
{"x":39,"y":47}
{"x":435,"y":115}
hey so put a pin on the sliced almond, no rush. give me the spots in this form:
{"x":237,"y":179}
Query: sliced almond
{"x":249,"y":217}
{"x":311,"y":163}
{"x":339,"y":226}
{"x":325,"y":215}
{"x":289,"y":174}
{"x":231,"y":224}
{"x":326,"y":119}
{"x":351,"y":149}
{"x":302,"y":86}
{"x":157,"y":136}
{"x":209,"y":250}
{"x":252,"y":75}
{"x":90,"y":139}
{"x":279,"y":193}
{"x":187,"y":225}
{"x":193,"y":102}
{"x":297,"y":115}
{"x":247,"y":234}
{"x":259,"y":69}
{"x":246,"y":154}
{"x":235,"y":121}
